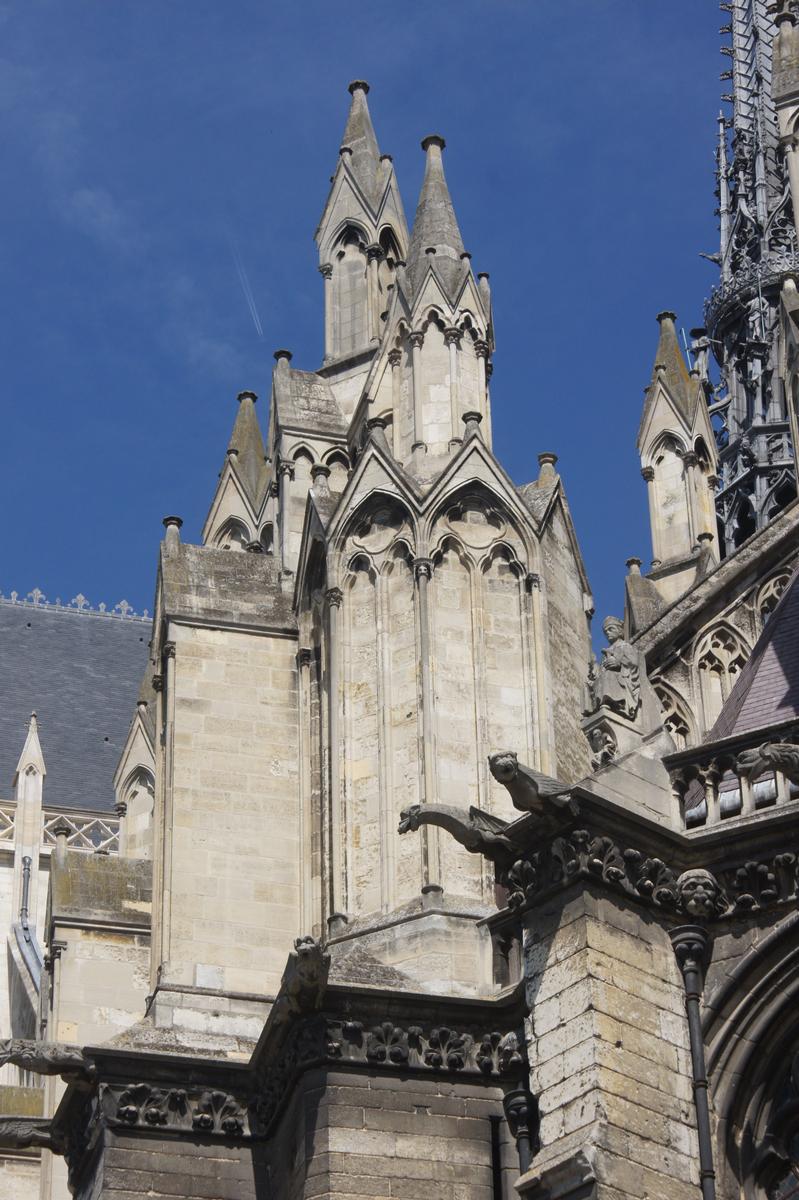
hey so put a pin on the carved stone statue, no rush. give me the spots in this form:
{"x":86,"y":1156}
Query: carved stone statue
{"x":46,"y":1058}
{"x":478,"y":831}
{"x":699,"y":895}
{"x":616,"y":683}
{"x":529,"y":791}
{"x":771,"y":756}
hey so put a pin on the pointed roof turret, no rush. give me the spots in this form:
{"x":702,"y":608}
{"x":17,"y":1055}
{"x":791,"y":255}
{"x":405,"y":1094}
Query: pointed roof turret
{"x":435,"y":234}
{"x":360,"y":140}
{"x":247,"y":443}
{"x":31,"y":755}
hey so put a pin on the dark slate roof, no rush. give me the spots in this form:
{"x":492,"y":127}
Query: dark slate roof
{"x":207,"y":584}
{"x":80,"y":672}
{"x":766,"y":692}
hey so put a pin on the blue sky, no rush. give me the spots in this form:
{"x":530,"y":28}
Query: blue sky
{"x":143,"y":141}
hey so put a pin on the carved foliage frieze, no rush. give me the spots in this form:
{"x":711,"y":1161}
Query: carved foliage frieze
{"x":747,"y":886}
{"x":145,"y":1106}
{"x":386,"y":1044}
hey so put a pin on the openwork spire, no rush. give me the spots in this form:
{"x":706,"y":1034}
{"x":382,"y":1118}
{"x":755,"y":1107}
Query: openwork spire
{"x":435,"y":234}
{"x":758,"y":247}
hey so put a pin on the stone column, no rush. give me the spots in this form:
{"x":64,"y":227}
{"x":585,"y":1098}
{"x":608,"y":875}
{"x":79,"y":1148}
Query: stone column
{"x":326,"y":271}
{"x":452,"y":338}
{"x":689,"y":461}
{"x":333,"y":599}
{"x":374,"y":253}
{"x":422,"y":571}
{"x":307,"y":914}
{"x":169,"y":759}
{"x":395,"y":359}
{"x":481,"y":350}
{"x":648,"y":474}
{"x":157,"y":940}
{"x":416,"y":339}
{"x":285,"y":474}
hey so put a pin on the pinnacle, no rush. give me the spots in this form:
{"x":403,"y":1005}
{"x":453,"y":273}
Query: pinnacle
{"x":247,"y":442}
{"x":435,"y":228}
{"x":360,"y":141}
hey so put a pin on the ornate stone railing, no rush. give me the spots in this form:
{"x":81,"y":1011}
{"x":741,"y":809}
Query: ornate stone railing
{"x":717,"y":783}
{"x":78,"y":604}
{"x":8,"y":815}
{"x":87,"y":831}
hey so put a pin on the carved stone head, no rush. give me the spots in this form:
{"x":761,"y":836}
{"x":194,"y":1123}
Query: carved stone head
{"x":613,"y":629}
{"x":504,"y":765}
{"x":699,"y":894}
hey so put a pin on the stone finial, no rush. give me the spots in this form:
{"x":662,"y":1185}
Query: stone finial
{"x":283,"y":357}
{"x":666,"y":315}
{"x":633,"y":566}
{"x":247,"y":396}
{"x":546,"y":465}
{"x":358,"y":85}
{"x":172,"y":525}
{"x":472,"y":422}
{"x":61,"y":832}
{"x":433,"y":139}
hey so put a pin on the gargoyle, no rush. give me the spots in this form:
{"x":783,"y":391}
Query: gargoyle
{"x":529,"y":790}
{"x":18,"y":1133}
{"x":46,"y":1058}
{"x":771,"y":756}
{"x":478,"y":831}
{"x":304,"y":979}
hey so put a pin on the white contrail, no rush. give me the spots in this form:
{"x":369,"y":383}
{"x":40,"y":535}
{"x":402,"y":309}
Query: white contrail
{"x":245,"y":286}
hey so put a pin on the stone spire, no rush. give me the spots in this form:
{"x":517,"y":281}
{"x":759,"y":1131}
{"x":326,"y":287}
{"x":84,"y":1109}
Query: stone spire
{"x":359,"y":140}
{"x":435,"y":234}
{"x":758,"y":247}
{"x":670,"y":368}
{"x":247,"y":445}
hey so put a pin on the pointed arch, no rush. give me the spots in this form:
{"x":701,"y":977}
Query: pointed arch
{"x":779,"y":496}
{"x":752,"y":1038}
{"x":769,"y":593}
{"x":233,"y":534}
{"x":719,"y":656}
{"x":480,"y":517}
{"x":678,"y":719}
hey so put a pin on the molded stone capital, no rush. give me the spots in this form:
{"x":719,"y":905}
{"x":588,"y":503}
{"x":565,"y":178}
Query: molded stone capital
{"x":648,"y":473}
{"x":334,"y":597}
{"x":326,"y":269}
{"x":452,"y":335}
{"x":394,"y":358}
{"x":481,"y":348}
{"x":416,"y":338}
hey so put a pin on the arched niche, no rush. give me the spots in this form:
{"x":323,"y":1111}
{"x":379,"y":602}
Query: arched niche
{"x":233,"y":535}
{"x":350,"y":295}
